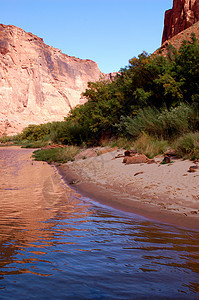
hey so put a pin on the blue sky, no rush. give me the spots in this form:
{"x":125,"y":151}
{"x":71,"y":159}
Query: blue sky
{"x":110,"y":32}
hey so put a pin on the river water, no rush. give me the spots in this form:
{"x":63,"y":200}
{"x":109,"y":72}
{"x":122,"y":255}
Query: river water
{"x":55,"y":244}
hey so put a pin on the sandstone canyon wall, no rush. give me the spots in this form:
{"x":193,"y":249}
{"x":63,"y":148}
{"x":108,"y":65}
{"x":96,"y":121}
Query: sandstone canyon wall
{"x":177,"y":39}
{"x":184,"y":14}
{"x":38,"y":83}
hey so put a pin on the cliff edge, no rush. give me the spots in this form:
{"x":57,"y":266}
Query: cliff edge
{"x":184,"y":14}
{"x":38,"y":83}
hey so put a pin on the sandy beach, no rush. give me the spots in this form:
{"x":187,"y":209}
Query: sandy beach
{"x":163,"y":192}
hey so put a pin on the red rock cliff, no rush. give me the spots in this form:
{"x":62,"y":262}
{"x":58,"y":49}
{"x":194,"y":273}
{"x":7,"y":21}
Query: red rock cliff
{"x":38,"y":83}
{"x":184,"y":14}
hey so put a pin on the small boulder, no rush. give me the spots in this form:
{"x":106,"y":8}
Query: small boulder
{"x":166,"y":160}
{"x":151,"y":161}
{"x":171,"y":152}
{"x":125,"y":159}
{"x":130,"y":152}
{"x":193,"y":169}
{"x":136,"y":159}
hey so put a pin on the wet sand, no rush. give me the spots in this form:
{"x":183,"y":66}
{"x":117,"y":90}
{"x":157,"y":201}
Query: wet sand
{"x":166,"y":193}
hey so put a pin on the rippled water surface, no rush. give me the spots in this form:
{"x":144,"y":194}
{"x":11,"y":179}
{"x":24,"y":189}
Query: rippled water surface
{"x":55,"y":244}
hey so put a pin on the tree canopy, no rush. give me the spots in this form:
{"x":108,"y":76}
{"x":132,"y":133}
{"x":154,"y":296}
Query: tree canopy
{"x":156,"y":81}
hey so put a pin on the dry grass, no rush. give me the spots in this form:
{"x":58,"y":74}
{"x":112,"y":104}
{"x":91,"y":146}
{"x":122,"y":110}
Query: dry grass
{"x":60,"y":155}
{"x":150,"y":146}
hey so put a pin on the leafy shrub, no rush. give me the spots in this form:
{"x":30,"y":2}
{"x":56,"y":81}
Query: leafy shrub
{"x":187,"y":146}
{"x":34,"y":144}
{"x":61,"y":155}
{"x":7,"y":139}
{"x":164,"y":123}
{"x":68,"y":132}
{"x":35,"y":132}
{"x":150,"y":146}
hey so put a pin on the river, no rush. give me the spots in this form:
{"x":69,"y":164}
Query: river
{"x":56,"y":244}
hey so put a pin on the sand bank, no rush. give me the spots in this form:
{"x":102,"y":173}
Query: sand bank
{"x":167,"y":193}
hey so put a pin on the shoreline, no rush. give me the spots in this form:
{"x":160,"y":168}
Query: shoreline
{"x":99,"y":178}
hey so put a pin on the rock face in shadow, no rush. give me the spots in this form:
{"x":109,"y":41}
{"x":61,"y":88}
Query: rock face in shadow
{"x":184,"y":14}
{"x":38,"y":83}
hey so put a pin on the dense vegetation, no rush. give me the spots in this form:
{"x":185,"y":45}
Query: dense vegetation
{"x":162,"y":92}
{"x":155,"y":96}
{"x":61,"y":155}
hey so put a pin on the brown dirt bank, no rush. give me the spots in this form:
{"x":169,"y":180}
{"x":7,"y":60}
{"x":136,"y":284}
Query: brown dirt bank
{"x":165,"y":193}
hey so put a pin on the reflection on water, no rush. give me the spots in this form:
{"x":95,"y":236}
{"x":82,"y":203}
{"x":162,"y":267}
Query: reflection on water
{"x":54,"y":244}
